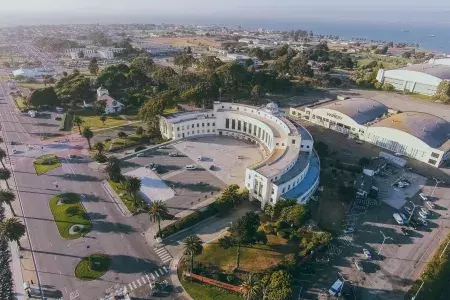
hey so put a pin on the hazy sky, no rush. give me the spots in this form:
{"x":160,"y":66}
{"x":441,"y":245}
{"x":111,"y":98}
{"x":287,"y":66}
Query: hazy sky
{"x":201,"y":11}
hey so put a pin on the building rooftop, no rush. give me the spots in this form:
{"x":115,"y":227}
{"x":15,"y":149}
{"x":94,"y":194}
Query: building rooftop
{"x":436,"y":70}
{"x":308,"y":181}
{"x":271,"y":169}
{"x":430,"y":129}
{"x":364,"y":183}
{"x":300,"y":165}
{"x":361,"y":110}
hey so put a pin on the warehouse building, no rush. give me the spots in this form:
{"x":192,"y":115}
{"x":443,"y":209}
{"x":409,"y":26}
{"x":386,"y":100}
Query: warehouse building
{"x":421,"y":78}
{"x":290,"y":168}
{"x":418,"y":135}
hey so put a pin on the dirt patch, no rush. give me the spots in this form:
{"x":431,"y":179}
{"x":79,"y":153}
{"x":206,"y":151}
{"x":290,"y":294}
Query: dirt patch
{"x":184,"y":42}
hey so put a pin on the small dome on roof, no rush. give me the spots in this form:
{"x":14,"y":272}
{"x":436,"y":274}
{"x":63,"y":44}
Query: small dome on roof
{"x":272,"y":106}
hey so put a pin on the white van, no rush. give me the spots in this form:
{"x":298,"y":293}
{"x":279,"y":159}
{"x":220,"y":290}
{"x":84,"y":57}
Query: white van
{"x":190,"y":167}
{"x":336,"y":288}
{"x":398,"y":218}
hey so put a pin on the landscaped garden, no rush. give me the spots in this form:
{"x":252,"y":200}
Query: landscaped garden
{"x":70,"y":216}
{"x":92,"y":267}
{"x":46,"y":163}
{"x":127,"y":199}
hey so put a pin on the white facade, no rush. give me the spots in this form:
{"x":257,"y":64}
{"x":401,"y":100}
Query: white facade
{"x":381,"y":131}
{"x":105,"y":53}
{"x":290,"y":168}
{"x":440,"y":61}
{"x":112,"y":106}
{"x":33,"y":73}
{"x":410,"y":81}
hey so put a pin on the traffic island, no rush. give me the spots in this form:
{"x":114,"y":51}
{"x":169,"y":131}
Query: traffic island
{"x":92,"y":267}
{"x":46,"y":163}
{"x":70,"y":216}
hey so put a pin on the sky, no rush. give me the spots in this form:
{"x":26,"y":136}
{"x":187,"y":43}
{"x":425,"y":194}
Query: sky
{"x":192,"y":10}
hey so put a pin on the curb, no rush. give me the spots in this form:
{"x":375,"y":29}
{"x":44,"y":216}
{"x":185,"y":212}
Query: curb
{"x":112,"y":194}
{"x":174,"y":276}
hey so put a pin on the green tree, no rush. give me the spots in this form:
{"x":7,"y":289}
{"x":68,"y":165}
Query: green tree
{"x":299,"y":67}
{"x":8,"y":197}
{"x":184,"y":61}
{"x":256,"y":93}
{"x":295,"y":215}
{"x":88,"y":135}
{"x":192,"y":247}
{"x":78,"y":121}
{"x":3,"y":155}
{"x":252,"y":287}
{"x":209,"y":63}
{"x":132,"y":185}
{"x":244,"y":232}
{"x":99,"y":146}
{"x":140,"y":130}
{"x":13,"y":230}
{"x":100,"y":106}
{"x":113,"y":169}
{"x":45,"y":96}
{"x":5,"y":175}
{"x":443,"y":91}
{"x":142,"y":64}
{"x":103,"y":118}
{"x":158,"y":212}
{"x":279,"y":285}
{"x":93,"y":66}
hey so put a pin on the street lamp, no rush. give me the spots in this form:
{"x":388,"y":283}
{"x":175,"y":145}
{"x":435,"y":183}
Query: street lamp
{"x":414,"y":208}
{"x":384,"y":239}
{"x":437,"y":182}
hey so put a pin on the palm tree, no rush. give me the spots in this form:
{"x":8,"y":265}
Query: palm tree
{"x":140,"y":132}
{"x":103,"y":119}
{"x":3,"y":155}
{"x":158,"y":211}
{"x":13,"y":230}
{"x":192,"y":247}
{"x":252,"y":287}
{"x":7,"y":196}
{"x":78,"y":121}
{"x":99,"y":146}
{"x":5,"y":175}
{"x":132,"y":185}
{"x":88,"y":134}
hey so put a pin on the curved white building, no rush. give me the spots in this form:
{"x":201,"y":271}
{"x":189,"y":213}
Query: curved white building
{"x":418,"y":135}
{"x":290,"y":168}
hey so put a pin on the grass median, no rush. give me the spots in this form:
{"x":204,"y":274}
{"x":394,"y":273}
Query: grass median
{"x":126,"y":198}
{"x":92,"y":267}
{"x":70,"y":216}
{"x":46,"y":163}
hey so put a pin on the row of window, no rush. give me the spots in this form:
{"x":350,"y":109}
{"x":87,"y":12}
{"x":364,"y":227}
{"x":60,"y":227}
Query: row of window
{"x":249,"y":128}
{"x":182,"y":135}
{"x":193,"y":125}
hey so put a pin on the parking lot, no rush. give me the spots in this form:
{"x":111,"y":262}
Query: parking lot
{"x":180,"y":188}
{"x":394,"y":264}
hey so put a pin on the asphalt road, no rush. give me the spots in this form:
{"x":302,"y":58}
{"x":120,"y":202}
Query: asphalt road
{"x":120,"y":237}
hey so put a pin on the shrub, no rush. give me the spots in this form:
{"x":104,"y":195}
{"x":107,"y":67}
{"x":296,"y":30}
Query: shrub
{"x":231,"y":278}
{"x":268,"y":228}
{"x":101,"y":158}
{"x":280,"y":225}
{"x":281,"y":234}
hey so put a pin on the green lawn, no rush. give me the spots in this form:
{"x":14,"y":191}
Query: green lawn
{"x":255,"y":259}
{"x":95,"y":123}
{"x":92,"y":267}
{"x":120,"y":143}
{"x":21,"y":103}
{"x":69,"y":213}
{"x":46,"y":163}
{"x":36,"y":85}
{"x":200,"y":291}
{"x":126,"y":198}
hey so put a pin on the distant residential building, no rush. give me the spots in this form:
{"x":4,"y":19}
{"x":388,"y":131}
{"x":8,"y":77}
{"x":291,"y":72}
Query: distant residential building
{"x":162,"y":50}
{"x":240,"y":58}
{"x":33,"y":73}
{"x":112,"y":106}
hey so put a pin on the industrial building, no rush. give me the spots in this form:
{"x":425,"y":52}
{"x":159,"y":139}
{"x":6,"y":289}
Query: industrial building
{"x":290,"y":168}
{"x":421,"y":78}
{"x":418,"y":135}
{"x":33,"y":73}
{"x":104,"y":53}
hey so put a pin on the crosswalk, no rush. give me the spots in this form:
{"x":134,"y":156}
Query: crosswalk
{"x":163,"y":254}
{"x":147,"y":278}
{"x":8,"y":161}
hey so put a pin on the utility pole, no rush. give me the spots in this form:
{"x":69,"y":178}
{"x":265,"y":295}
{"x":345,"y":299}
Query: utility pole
{"x":384,"y":239}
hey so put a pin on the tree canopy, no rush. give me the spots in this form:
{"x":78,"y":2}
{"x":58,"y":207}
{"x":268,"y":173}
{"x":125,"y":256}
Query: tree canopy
{"x":45,"y":96}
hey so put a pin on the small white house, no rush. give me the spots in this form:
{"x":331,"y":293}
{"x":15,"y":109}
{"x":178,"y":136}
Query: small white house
{"x":112,"y":106}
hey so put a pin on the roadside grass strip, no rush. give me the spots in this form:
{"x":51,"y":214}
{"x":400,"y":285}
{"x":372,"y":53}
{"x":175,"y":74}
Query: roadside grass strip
{"x":46,"y":163}
{"x":92,"y":267}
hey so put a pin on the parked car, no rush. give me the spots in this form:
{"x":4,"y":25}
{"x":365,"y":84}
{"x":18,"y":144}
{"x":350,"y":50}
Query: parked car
{"x":190,"y":167}
{"x":408,"y":210}
{"x":72,"y":156}
{"x":336,"y":288}
{"x":414,"y":224}
{"x":348,"y":230}
{"x":359,"y":142}
{"x":405,"y":231}
{"x":240,"y":157}
{"x":398,"y":219}
{"x":430,"y":204}
{"x":398,"y":154}
{"x":425,"y":211}
{"x":150,"y":165}
{"x":404,"y":218}
{"x":367,"y":253}
{"x":58,"y":118}
{"x":173,"y":154}
{"x":422,"y":214}
{"x":423,"y":221}
{"x":424,"y":198}
{"x":212,"y":167}
{"x":358,"y":265}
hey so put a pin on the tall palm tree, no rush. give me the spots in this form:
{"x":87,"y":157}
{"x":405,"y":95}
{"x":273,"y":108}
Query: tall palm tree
{"x":99,"y":146}
{"x":13,"y":230}
{"x":3,"y":155}
{"x":7,"y":196}
{"x":5,"y":175}
{"x":158,"y":212}
{"x":132,"y":185}
{"x":252,"y":287}
{"x":78,"y":121}
{"x":88,"y":134}
{"x":192,"y":247}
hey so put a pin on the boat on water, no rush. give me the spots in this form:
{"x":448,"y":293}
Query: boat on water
{"x":405,"y":30}
{"x":432,"y":35}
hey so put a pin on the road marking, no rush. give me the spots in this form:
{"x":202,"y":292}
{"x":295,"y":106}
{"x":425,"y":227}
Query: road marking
{"x":139,"y":282}
{"x":156,"y":273}
{"x":134,"y":284}
{"x":130,"y":286}
{"x":165,"y":269}
{"x":153,"y":276}
{"x":129,"y":247}
{"x":121,"y":235}
{"x":54,"y":257}
{"x":143,"y":279}
{"x":148,"y":278}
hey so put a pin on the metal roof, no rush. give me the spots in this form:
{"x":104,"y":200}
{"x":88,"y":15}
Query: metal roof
{"x":439,"y":71}
{"x":430,"y":129}
{"x":361,"y":110}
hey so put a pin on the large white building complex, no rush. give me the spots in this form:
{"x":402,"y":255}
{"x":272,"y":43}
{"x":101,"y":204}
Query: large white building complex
{"x":290,"y":168}
{"x":418,"y":135}
{"x":421,"y":78}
